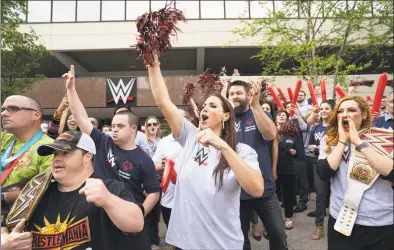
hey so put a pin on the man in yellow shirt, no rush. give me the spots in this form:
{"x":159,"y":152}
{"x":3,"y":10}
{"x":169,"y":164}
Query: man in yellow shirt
{"x":21,"y":117}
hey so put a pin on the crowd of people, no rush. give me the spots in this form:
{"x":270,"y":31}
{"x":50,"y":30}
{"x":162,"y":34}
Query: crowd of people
{"x":71,"y":185}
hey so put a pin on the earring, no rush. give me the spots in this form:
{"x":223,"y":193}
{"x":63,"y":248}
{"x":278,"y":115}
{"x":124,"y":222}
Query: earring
{"x":223,"y":123}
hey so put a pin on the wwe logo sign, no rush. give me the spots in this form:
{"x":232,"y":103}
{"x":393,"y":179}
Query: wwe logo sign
{"x":121,"y":91}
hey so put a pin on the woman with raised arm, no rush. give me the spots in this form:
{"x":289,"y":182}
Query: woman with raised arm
{"x":212,"y":170}
{"x":358,"y":161}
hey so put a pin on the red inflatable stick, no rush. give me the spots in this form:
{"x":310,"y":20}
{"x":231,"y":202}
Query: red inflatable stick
{"x":290,"y":92}
{"x":323,"y":90}
{"x":295,"y":96}
{"x":379,"y":95}
{"x":340,"y":91}
{"x":313,"y":95}
{"x":167,"y":174}
{"x":275,"y":97}
{"x":282,"y":96}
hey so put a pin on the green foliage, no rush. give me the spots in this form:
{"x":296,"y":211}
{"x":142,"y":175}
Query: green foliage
{"x":321,"y":40}
{"x":20,"y":52}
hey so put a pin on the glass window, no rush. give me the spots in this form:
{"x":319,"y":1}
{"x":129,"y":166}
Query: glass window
{"x":156,"y":5}
{"x":134,"y":9}
{"x":189,"y":8}
{"x":39,"y":11}
{"x":290,"y":8}
{"x":63,"y":11}
{"x":212,"y":9}
{"x":236,"y":9}
{"x":382,"y":8}
{"x":112,"y":10}
{"x":88,"y":11}
{"x":260,"y":9}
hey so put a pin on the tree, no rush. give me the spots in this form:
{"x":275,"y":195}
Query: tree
{"x":20,"y":52}
{"x":323,"y":40}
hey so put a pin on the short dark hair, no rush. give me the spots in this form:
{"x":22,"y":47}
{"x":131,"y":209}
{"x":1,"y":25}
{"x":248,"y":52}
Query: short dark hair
{"x":132,"y":117}
{"x":239,"y":83}
{"x":302,"y":91}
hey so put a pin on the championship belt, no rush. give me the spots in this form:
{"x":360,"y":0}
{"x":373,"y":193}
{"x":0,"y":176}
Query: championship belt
{"x":28,"y":199}
{"x":361,"y":176}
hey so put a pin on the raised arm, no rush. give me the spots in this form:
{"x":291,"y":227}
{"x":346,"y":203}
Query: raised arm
{"x":264,"y":123}
{"x":75,"y":104}
{"x":162,"y":98}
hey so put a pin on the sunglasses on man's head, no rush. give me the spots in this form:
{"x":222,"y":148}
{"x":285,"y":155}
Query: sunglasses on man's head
{"x":14,"y":109}
{"x":151,"y":124}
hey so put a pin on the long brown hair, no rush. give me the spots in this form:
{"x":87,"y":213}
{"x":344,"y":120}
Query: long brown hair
{"x":332,"y":137}
{"x":229,"y":136}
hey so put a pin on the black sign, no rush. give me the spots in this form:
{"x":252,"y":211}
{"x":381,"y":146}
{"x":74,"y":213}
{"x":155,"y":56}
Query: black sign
{"x":121,"y":91}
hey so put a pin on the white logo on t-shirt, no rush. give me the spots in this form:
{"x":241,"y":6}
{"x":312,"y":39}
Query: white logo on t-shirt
{"x":111,"y":158}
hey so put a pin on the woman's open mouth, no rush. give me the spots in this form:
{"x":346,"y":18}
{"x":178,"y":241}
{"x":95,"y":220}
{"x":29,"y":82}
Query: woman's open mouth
{"x":204,"y":117}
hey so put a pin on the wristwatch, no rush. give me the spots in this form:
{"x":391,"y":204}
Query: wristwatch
{"x":362,"y":145}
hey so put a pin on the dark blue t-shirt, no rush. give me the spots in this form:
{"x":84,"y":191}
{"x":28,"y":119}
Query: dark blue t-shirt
{"x":385,"y":121}
{"x":317,"y":135}
{"x":133,"y":167}
{"x":248,"y":133}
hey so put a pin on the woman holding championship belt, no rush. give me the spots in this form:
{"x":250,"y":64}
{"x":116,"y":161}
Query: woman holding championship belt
{"x":358,"y":159}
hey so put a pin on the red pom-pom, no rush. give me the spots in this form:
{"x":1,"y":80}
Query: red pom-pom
{"x":289,"y":129}
{"x":189,"y":92}
{"x":155,"y":29}
{"x":209,"y":81}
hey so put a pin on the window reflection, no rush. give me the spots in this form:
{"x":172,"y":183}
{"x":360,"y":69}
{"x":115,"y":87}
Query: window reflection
{"x":113,"y":10}
{"x":212,"y":9}
{"x":63,"y":11}
{"x":39,"y":11}
{"x":259,"y":9}
{"x":236,"y":9}
{"x":134,"y":9}
{"x":88,"y":11}
{"x":189,"y":8}
{"x":156,"y":5}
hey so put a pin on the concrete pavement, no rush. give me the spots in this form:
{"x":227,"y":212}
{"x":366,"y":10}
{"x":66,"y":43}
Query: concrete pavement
{"x":299,"y":238}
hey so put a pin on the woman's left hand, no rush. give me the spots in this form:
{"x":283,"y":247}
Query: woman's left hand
{"x":353,"y":133}
{"x":208,"y":137}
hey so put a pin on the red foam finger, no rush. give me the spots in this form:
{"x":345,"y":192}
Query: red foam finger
{"x":295,"y":96}
{"x":167,"y":173}
{"x":174,"y":177}
{"x":290,"y":92}
{"x":377,"y":101}
{"x":323,"y":90}
{"x":275,"y":97}
{"x":340,"y":91}
{"x":282,"y":95}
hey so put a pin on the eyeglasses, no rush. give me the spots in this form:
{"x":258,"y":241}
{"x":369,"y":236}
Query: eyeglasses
{"x":151,"y":124}
{"x":14,"y":109}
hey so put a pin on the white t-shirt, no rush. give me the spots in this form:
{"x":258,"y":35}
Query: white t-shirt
{"x":170,"y":148}
{"x":203,"y":217}
{"x":142,"y":142}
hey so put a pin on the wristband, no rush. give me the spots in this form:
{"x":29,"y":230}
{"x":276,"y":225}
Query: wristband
{"x":343,"y":143}
{"x":362,"y":145}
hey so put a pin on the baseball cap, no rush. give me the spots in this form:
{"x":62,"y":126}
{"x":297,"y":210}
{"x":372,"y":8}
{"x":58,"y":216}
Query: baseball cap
{"x":68,"y":141}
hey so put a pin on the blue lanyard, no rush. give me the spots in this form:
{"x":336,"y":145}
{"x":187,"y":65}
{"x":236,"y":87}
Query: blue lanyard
{"x":4,"y":157}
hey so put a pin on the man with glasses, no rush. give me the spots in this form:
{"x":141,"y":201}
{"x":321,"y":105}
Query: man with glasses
{"x":118,"y":157}
{"x":21,"y":119}
{"x":302,"y":106}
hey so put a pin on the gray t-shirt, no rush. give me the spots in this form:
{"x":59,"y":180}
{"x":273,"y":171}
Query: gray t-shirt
{"x":142,"y":142}
{"x":203,"y":217}
{"x":376,"y":207}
